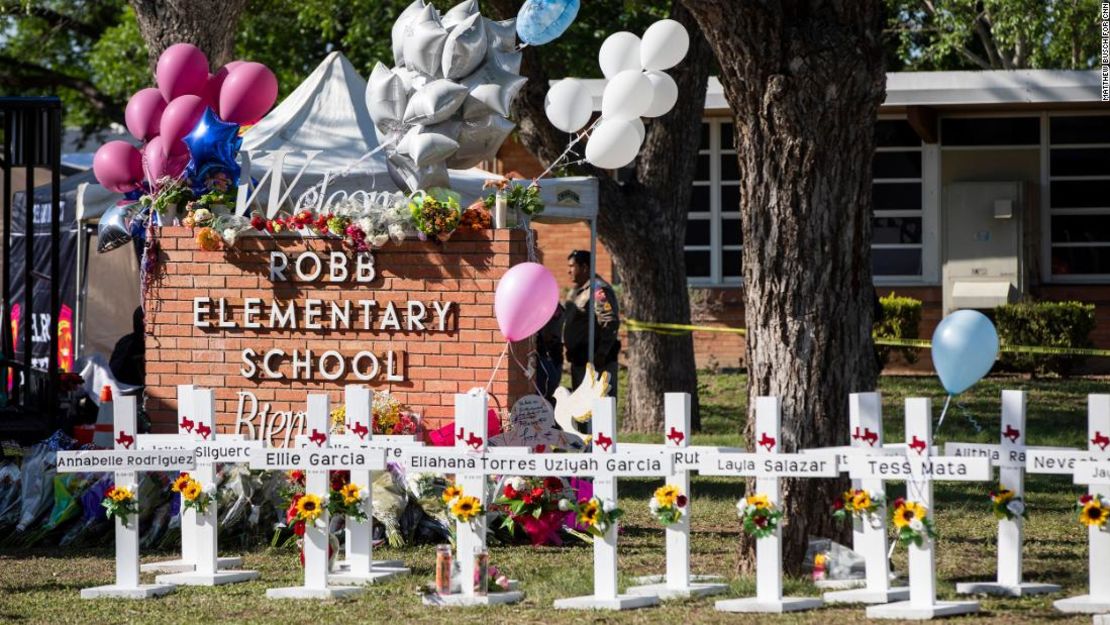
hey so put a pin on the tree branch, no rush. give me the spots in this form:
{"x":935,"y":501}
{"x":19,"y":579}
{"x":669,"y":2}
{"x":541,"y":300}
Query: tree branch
{"x":58,"y":20}
{"x":24,"y":75}
{"x":982,"y":25}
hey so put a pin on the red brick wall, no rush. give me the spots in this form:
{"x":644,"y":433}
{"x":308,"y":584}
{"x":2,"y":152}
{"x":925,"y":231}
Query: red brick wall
{"x":437,"y":364}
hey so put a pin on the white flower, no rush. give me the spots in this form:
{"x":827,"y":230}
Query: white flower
{"x":518,"y":484}
{"x":1015,"y":507}
{"x":877,"y":496}
{"x":917,"y":526}
{"x":564,"y":505}
{"x":654,"y":505}
{"x":742,"y":506}
{"x":876,"y":521}
{"x":609,"y":506}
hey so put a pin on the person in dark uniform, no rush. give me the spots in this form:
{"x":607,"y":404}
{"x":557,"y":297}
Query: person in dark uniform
{"x":576,"y":330}
{"x":549,"y":356}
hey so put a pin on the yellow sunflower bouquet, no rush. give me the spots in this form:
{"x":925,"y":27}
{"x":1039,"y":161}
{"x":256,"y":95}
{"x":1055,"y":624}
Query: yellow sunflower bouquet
{"x":860,"y":504}
{"x":460,"y":506}
{"x":1006,"y":505}
{"x":1094,"y":511}
{"x":668,"y":504}
{"x":193,"y":494}
{"x":912,"y":524}
{"x":347,"y":500}
{"x":759,"y":516}
{"x":307,"y":507}
{"x":594,"y":515}
{"x":119,"y":502}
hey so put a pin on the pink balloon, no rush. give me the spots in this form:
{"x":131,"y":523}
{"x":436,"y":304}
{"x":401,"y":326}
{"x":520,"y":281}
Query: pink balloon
{"x":144,"y":112}
{"x":181,"y":116}
{"x":182,"y":70}
{"x":163,"y":160}
{"x":526,"y":298}
{"x":248,"y":93}
{"x":118,"y":166}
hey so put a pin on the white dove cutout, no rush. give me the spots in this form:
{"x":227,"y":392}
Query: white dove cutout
{"x":577,"y":406}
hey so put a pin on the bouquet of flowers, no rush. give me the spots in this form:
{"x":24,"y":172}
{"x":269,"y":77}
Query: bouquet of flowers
{"x":1094,"y":510}
{"x":760,"y":517}
{"x":533,"y":504}
{"x":525,"y":199}
{"x":860,"y":504}
{"x":436,"y":212}
{"x":476,"y":217}
{"x":172,"y":193}
{"x":1005,"y":505}
{"x":460,"y":506}
{"x":912,"y":524}
{"x":119,"y":501}
{"x":593,"y":514}
{"x":668,"y":504}
{"x":347,"y":501}
{"x":192,"y":493}
{"x":390,"y":417}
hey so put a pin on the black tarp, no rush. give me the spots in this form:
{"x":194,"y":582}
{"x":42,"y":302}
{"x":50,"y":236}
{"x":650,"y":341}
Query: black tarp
{"x":40,"y":314}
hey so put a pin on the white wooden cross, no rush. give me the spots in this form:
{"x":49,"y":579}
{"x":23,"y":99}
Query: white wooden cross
{"x":317,"y":460}
{"x":125,"y":462}
{"x":209,"y":452}
{"x":605,"y":473}
{"x":200,"y":564}
{"x":1091,"y":467}
{"x":919,"y":468}
{"x":678,"y":583}
{"x":869,"y":536}
{"x":767,"y":465}
{"x":359,"y":567}
{"x":468,"y":461}
{"x":1009,"y":457}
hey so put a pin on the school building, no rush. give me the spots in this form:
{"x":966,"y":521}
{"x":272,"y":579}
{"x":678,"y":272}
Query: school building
{"x":988,"y":187}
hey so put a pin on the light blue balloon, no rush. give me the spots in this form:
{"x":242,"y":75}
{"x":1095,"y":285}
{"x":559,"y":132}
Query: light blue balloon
{"x":542,"y":21}
{"x":965,"y":345}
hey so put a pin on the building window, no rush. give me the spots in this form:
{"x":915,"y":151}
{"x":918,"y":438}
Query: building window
{"x":1079,"y":195}
{"x":713,"y":239}
{"x":896,"y":199}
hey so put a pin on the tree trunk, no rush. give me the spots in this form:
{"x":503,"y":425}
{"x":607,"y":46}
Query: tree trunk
{"x":208,"y":24}
{"x":642,"y":222}
{"x":804,"y":80}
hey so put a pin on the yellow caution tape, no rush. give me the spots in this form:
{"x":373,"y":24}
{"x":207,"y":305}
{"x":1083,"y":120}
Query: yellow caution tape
{"x":678,"y":329}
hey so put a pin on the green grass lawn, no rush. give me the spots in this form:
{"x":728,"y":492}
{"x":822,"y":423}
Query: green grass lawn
{"x":42,"y":585}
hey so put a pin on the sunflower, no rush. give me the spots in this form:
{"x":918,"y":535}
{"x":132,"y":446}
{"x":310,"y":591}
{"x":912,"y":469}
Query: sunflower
{"x":907,"y":513}
{"x":759,"y":501}
{"x":1003,"y":496}
{"x":589,"y":512}
{"x":1094,"y":514}
{"x":309,"y":507}
{"x":350,"y":493}
{"x":180,"y":482}
{"x":451,"y":492}
{"x":191,"y":490}
{"x":861,"y":500}
{"x":466,"y":508}
{"x":120,"y":494}
{"x":667,"y":495}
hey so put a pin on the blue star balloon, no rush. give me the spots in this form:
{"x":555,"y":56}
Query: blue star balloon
{"x":213,"y":144}
{"x":542,"y":21}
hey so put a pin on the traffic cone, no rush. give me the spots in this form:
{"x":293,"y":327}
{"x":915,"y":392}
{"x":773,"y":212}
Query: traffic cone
{"x":105,"y":420}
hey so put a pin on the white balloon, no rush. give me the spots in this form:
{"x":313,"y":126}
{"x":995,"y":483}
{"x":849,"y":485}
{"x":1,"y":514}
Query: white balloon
{"x":627,"y":96}
{"x":664,"y":93}
{"x":665,"y":44}
{"x":613,"y":144}
{"x":569,"y":105}
{"x":619,"y":52}
{"x":423,"y":47}
{"x":401,"y":28}
{"x":641,"y":131}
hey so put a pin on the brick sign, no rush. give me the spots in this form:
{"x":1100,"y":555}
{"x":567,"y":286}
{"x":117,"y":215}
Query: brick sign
{"x":277,"y":318}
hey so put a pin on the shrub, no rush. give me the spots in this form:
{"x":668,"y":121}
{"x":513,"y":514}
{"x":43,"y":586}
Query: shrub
{"x":1044,"y":324}
{"x":901,"y":316}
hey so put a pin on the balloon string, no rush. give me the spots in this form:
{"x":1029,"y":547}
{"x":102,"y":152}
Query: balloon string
{"x":570,"y":146}
{"x":970,"y":418}
{"x":943,"y":412}
{"x":531,"y":374}
{"x":497,"y":367}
